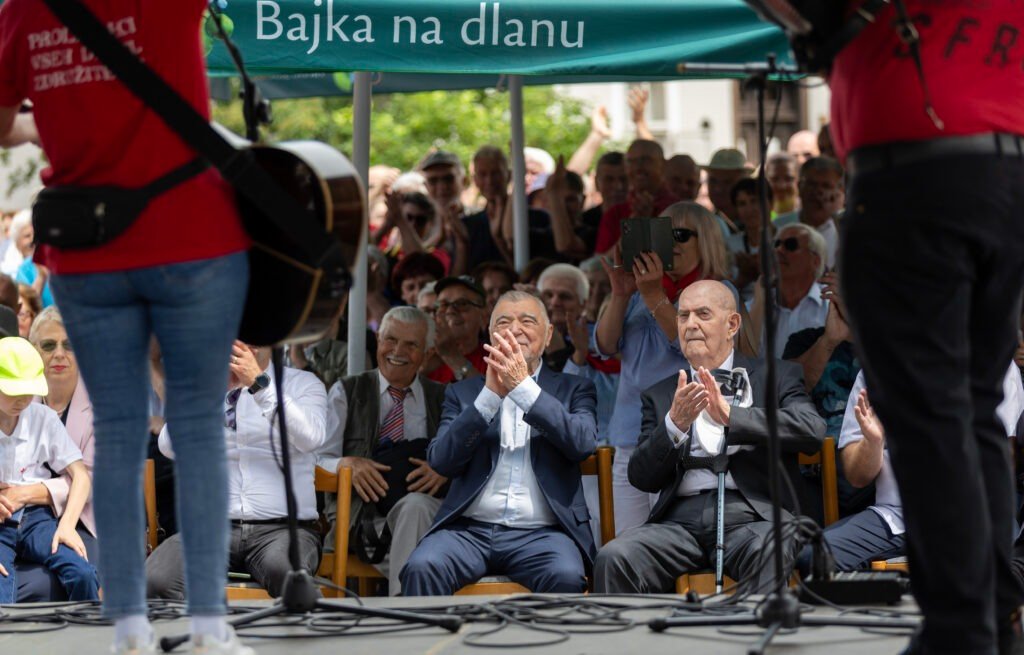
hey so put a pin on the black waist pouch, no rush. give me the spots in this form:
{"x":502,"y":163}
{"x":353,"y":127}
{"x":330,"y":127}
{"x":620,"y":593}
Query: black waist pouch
{"x":85,"y":217}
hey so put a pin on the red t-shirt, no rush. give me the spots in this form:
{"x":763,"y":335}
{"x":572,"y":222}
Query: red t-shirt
{"x":444,"y":374}
{"x":95,"y":132}
{"x":610,"y":228}
{"x":972,"y":54}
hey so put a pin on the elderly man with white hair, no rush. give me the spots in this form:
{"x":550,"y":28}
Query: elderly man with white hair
{"x":564,"y":289}
{"x":512,"y":442}
{"x":379,"y":423}
{"x":801,"y":251}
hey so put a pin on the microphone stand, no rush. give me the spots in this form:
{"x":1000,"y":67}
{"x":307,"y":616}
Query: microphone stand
{"x":781,"y":609}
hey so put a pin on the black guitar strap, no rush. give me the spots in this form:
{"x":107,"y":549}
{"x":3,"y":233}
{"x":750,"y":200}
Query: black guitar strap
{"x":237,"y":166}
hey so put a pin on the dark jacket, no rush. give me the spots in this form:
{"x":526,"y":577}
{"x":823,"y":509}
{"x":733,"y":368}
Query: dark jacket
{"x":563,"y":433}
{"x":362,"y":425}
{"x":654,"y":464}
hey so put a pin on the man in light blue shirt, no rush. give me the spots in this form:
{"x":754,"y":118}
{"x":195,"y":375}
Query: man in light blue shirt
{"x":511,"y":443}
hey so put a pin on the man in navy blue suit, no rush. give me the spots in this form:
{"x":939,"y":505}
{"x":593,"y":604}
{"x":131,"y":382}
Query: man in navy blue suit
{"x":511,"y":443}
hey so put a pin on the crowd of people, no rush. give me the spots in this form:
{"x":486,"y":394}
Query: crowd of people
{"x":492,"y":384}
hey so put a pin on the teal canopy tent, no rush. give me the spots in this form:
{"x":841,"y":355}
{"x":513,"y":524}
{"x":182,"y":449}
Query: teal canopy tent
{"x":453,"y":44}
{"x":631,"y":39}
{"x":403,"y":46}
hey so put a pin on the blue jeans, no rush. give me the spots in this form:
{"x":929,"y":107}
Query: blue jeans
{"x":194,"y":310}
{"x":30,"y":541}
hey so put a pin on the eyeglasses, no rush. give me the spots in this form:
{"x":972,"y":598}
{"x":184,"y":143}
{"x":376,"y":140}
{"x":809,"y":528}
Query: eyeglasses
{"x":417,"y":218}
{"x":682,"y":234}
{"x":49,"y":345}
{"x":791,"y":244}
{"x":462,"y":305}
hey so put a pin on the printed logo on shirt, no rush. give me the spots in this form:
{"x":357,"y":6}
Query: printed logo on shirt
{"x":995,"y":40}
{"x":58,"y":60}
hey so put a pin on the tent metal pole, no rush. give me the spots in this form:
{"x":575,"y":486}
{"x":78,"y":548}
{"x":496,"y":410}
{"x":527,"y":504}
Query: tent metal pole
{"x":361,"y":160}
{"x":519,"y":209}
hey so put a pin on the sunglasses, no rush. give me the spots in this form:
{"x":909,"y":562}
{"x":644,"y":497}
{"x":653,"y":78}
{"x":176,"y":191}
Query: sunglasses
{"x":418,"y":218}
{"x":49,"y":345}
{"x":461,"y":305}
{"x":791,"y":244}
{"x":682,"y":234}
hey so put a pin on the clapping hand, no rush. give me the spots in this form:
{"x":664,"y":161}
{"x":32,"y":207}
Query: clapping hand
{"x":718,"y":408}
{"x":690,"y":399}
{"x":505,"y":356}
{"x":870,"y":426}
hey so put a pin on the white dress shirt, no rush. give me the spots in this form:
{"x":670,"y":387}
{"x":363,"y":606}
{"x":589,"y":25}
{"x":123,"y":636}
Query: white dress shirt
{"x":887,"y":494}
{"x":414,"y":413}
{"x":810,"y":312}
{"x":39,"y":440}
{"x":255,"y":482}
{"x":697,"y":480}
{"x":512,"y":495}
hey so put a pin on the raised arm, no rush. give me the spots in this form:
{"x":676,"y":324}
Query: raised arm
{"x":580,"y":161}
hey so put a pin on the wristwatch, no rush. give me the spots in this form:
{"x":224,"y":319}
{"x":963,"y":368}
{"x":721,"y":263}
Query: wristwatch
{"x":261,"y":383}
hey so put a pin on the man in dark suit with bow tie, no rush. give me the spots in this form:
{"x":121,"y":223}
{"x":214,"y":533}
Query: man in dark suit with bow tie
{"x":684,"y":417}
{"x":511,"y":442}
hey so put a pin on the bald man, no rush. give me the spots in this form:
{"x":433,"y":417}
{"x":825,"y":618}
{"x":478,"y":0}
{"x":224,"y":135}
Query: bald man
{"x":648,"y":195}
{"x":682,"y":177}
{"x":686,"y":415}
{"x":803,"y":145}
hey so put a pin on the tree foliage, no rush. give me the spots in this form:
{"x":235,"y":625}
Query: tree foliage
{"x":405,"y":126}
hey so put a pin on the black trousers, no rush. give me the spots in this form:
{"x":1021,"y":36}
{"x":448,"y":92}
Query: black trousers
{"x":932,"y":272}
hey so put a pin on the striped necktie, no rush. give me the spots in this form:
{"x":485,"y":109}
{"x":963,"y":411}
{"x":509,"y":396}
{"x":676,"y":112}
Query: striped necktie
{"x":392,"y":429}
{"x":231,"y":411}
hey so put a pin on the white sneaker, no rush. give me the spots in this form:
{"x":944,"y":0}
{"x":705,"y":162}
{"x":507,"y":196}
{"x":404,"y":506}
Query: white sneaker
{"x":135,"y":646}
{"x":207,"y":645}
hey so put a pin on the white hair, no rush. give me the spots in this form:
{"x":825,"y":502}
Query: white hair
{"x":426,"y":290}
{"x":521,"y":296}
{"x":49,"y":315}
{"x":815,"y":243}
{"x":20,"y":221}
{"x":411,"y":182}
{"x":567,"y":271}
{"x":409,"y":316}
{"x":542,"y":157}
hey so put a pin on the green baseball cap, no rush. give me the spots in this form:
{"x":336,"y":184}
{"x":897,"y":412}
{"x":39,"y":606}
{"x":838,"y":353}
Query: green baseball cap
{"x":21,"y":368}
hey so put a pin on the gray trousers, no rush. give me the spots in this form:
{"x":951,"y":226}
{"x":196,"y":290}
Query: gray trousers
{"x":649,"y":558}
{"x":259,"y":550}
{"x":408,"y":520}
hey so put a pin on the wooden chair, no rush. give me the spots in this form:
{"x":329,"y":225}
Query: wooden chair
{"x":704,"y":582}
{"x":149,"y":498}
{"x":331,"y":567}
{"x":599,"y":464}
{"x":895,"y":564}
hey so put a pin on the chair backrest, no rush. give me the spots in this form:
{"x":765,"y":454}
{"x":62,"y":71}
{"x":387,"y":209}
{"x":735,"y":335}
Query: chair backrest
{"x":600,"y":464}
{"x":149,"y":498}
{"x":826,"y":457}
{"x":339,"y":483}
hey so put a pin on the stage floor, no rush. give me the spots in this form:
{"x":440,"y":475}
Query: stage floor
{"x":638,"y":640}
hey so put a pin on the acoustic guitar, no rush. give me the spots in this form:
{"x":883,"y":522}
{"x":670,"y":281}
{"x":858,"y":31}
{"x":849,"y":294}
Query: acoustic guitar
{"x":290,"y":301}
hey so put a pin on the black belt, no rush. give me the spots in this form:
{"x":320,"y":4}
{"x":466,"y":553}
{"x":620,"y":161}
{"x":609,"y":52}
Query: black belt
{"x":280,"y":521}
{"x":875,"y":158}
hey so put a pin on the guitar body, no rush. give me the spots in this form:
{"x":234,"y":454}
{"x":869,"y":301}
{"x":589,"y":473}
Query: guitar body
{"x":288,"y":300}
